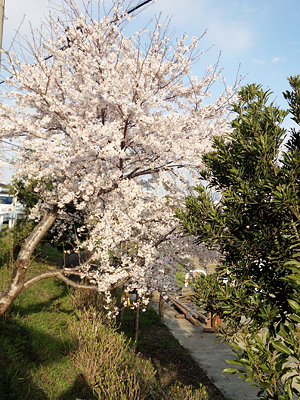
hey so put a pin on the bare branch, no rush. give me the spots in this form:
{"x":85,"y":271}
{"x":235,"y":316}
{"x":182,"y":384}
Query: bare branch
{"x":59,"y":274}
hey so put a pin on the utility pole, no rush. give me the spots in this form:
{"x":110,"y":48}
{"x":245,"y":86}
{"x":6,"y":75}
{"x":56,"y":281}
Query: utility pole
{"x":2,"y":4}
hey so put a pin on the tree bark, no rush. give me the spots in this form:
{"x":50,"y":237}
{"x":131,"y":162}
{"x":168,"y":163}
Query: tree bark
{"x":16,"y":282}
{"x":136,"y":320}
{"x":123,"y":298}
{"x":161,"y":309}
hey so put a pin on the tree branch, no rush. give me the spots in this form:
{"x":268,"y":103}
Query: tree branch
{"x":60,"y":275}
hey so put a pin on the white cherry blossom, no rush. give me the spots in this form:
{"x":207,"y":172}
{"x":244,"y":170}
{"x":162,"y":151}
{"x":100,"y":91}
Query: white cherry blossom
{"x":109,"y":121}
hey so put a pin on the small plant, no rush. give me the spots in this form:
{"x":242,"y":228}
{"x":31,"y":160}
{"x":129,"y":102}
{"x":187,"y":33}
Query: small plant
{"x":179,"y":392}
{"x":82,"y":300}
{"x":106,"y":360}
{"x":180,"y":275}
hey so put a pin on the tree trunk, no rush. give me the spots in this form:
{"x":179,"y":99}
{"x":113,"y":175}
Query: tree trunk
{"x":123,"y":298}
{"x":136,"y":320}
{"x":161,"y":309}
{"x":16,"y":282}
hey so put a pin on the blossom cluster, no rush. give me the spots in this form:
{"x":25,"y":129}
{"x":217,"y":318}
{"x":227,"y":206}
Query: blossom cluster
{"x":114,"y":128}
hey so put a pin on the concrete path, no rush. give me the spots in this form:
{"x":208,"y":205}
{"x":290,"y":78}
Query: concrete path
{"x":210,"y":355}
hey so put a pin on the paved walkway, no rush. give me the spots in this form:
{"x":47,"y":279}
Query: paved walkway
{"x":210,"y":355}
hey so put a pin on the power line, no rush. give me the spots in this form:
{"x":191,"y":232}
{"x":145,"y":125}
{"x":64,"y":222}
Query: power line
{"x":138,"y":6}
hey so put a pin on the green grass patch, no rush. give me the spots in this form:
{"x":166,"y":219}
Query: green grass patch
{"x":35,"y":351}
{"x":35,"y":346}
{"x":180,"y":275}
{"x":6,"y":245}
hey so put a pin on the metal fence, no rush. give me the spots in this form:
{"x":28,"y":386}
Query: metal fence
{"x":10,"y":217}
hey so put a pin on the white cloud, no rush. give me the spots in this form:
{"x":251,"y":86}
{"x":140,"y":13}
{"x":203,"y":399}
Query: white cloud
{"x":233,"y":36}
{"x":257,"y":61}
{"x":278,"y":59}
{"x":226,"y":29}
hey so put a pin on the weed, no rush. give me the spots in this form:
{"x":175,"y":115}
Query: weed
{"x":84,"y":299}
{"x":107,"y":361}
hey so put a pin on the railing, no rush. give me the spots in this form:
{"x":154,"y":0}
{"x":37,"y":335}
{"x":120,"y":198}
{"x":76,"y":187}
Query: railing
{"x":11,"y":217}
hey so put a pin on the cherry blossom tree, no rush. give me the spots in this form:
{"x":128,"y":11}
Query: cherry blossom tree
{"x":105,"y":121}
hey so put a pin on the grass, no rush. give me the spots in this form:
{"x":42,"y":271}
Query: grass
{"x":6,"y":240}
{"x":173,"y":363}
{"x":36,"y":347}
{"x":180,"y":275}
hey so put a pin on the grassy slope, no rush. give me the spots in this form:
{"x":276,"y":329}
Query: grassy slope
{"x":35,"y":346}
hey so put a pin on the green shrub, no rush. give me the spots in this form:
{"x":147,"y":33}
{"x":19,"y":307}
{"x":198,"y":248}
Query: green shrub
{"x":82,"y":300}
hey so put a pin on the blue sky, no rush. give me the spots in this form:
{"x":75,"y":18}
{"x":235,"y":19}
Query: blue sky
{"x":260,"y":36}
